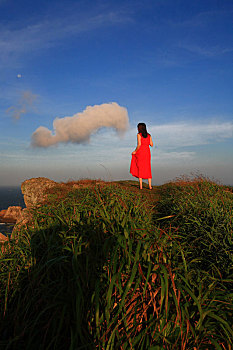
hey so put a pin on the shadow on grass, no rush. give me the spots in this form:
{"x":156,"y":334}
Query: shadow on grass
{"x":53,"y":300}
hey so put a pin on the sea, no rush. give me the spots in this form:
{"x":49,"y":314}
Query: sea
{"x":10,"y":196}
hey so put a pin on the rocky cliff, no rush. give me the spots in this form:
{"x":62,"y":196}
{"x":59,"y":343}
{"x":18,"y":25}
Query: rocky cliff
{"x":10,"y":215}
{"x":36,"y":192}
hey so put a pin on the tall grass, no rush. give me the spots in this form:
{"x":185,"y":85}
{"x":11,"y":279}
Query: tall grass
{"x":202,"y":212}
{"x":108,"y":268}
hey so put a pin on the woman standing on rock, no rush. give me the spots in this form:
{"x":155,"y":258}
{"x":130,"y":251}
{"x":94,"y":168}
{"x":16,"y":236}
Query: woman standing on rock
{"x":141,"y":158}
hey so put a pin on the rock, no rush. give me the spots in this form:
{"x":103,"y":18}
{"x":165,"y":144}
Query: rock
{"x":2,"y":214}
{"x":24,"y":221}
{"x":34,"y":190}
{"x":12,"y":214}
{"x":3,"y":238}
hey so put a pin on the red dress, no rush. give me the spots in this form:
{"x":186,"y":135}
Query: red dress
{"x":141,"y":161}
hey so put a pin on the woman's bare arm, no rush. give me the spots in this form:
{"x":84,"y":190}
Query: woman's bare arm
{"x":138,"y":145}
{"x":151,"y":142}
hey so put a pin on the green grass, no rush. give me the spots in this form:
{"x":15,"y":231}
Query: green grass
{"x":110,"y":267}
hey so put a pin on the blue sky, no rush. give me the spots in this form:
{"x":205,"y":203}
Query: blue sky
{"x":168,"y":63}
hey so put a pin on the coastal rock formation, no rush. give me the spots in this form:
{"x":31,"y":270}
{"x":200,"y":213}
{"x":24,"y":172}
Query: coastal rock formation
{"x":2,"y":214}
{"x":3,"y":238}
{"x":11,"y":215}
{"x":24,"y":221}
{"x":34,"y":190}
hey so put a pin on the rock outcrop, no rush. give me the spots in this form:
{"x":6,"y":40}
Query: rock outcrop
{"x":34,"y":190}
{"x":24,"y":221}
{"x":11,"y":215}
{"x":3,"y":238}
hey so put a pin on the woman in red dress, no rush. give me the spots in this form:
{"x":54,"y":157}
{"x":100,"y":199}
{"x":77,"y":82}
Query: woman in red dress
{"x":141,"y":158}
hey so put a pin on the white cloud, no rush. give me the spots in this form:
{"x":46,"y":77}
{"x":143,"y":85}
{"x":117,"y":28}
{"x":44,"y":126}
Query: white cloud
{"x":210,"y":51}
{"x":51,"y":31}
{"x":162,"y":156}
{"x":170,"y":136}
{"x":24,"y":105}
{"x":79,"y":127}
{"x":169,"y":141}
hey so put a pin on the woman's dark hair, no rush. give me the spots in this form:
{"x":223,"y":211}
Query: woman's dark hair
{"x":142,"y":129}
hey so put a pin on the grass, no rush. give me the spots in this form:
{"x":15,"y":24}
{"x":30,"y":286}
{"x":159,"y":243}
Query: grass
{"x":110,"y":267}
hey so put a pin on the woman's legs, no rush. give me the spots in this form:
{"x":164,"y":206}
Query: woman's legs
{"x":140,"y":183}
{"x":149,"y":183}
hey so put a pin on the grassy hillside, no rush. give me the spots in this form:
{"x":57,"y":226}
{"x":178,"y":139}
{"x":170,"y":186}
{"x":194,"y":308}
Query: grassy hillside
{"x":110,"y":267}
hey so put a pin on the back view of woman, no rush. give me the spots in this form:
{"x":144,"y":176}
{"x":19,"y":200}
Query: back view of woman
{"x":141,"y":158}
